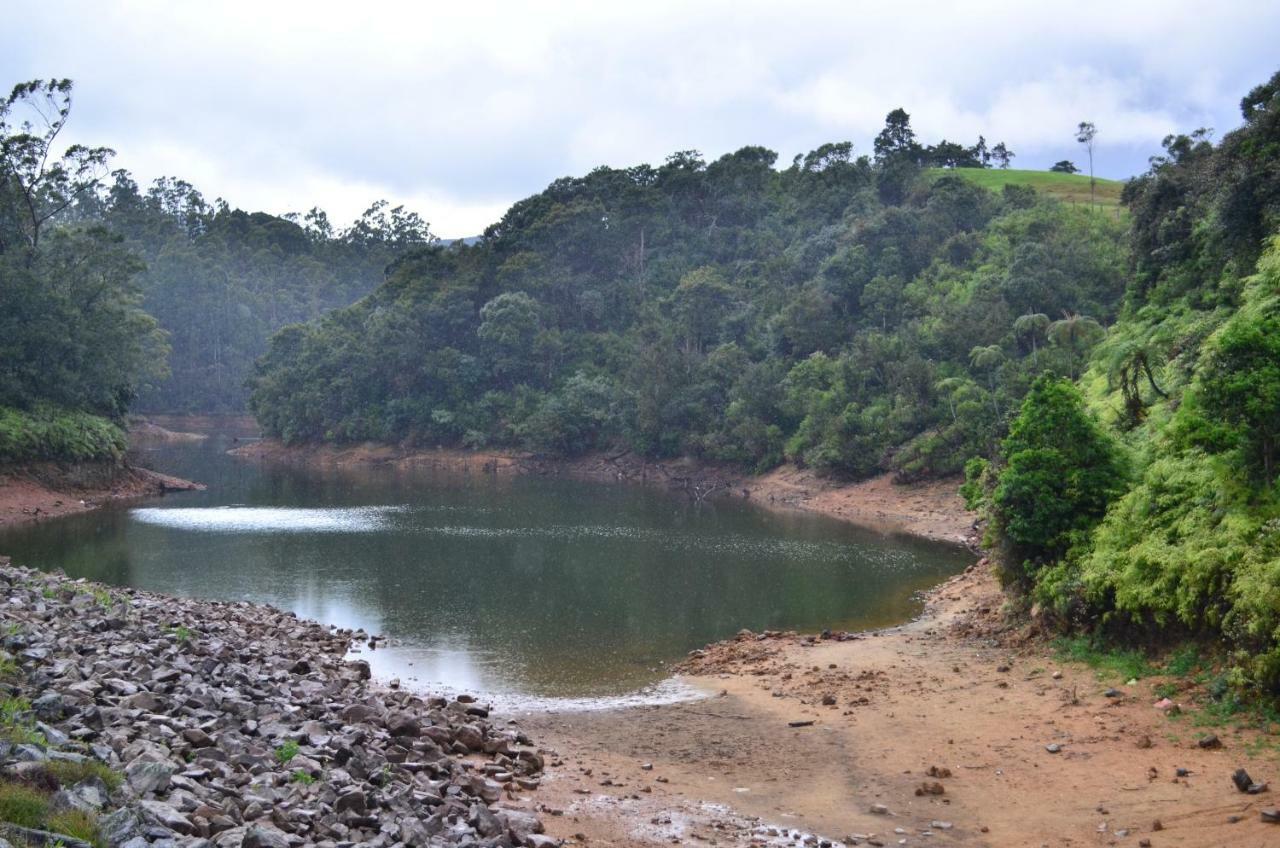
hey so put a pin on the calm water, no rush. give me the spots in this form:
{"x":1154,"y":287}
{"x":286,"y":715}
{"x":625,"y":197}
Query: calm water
{"x":522,"y":589}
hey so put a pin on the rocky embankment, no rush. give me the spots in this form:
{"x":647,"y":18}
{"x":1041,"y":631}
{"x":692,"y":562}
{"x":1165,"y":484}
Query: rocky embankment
{"x":150,"y":720}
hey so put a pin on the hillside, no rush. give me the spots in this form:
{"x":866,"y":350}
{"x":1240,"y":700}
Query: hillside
{"x":1069,"y":188}
{"x":850,"y":315}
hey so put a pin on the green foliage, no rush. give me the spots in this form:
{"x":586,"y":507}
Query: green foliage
{"x":1061,"y":471}
{"x":68,"y":773}
{"x":23,"y":805}
{"x":1190,"y":373}
{"x":303,"y":777}
{"x":977,"y":484}
{"x":287,"y":751}
{"x":47,"y":432}
{"x":1106,"y":659}
{"x":1239,"y":381}
{"x":78,"y":824}
{"x":16,"y":723}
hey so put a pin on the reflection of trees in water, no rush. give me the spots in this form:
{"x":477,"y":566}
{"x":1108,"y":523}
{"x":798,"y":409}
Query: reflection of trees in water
{"x":580,"y":608}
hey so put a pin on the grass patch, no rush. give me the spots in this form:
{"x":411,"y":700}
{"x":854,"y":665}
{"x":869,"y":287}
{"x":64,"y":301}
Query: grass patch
{"x":22,"y":805}
{"x":304,"y":777}
{"x":77,"y":824}
{"x":287,"y":752}
{"x":15,"y":724}
{"x":1069,"y":188}
{"x":69,"y":773}
{"x":182,"y":633}
{"x":1127,"y":665}
{"x":1184,"y":662}
{"x":8,"y":667}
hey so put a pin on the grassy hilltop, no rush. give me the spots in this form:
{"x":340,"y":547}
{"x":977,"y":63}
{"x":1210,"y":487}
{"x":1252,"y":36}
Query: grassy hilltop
{"x":1069,"y":188}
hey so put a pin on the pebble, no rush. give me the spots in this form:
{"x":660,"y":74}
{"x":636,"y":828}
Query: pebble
{"x":237,"y":725}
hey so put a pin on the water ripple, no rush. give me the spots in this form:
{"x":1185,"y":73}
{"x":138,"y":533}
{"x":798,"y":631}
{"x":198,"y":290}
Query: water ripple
{"x":243,"y":519}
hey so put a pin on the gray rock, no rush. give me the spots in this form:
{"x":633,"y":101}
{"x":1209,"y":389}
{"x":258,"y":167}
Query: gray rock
{"x":49,"y":707}
{"x":147,"y":775}
{"x":162,"y":814}
{"x":259,"y":836}
{"x":121,"y":826}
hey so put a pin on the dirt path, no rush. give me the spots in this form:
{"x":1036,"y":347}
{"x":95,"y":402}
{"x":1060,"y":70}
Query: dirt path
{"x":939,"y":694}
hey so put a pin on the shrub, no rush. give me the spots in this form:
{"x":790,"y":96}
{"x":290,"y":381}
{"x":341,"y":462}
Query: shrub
{"x":51,"y":433}
{"x":287,"y":752}
{"x":1061,"y":471}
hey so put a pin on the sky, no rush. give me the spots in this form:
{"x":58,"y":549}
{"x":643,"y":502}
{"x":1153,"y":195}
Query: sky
{"x":458,"y":110}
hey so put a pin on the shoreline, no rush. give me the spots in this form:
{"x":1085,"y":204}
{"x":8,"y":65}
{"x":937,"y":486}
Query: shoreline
{"x":956,"y":728}
{"x":932,"y":510}
{"x":170,"y":720}
{"x":34,"y":492}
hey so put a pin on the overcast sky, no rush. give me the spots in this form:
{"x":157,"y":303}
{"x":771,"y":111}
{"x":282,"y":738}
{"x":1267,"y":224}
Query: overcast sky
{"x":458,"y":110}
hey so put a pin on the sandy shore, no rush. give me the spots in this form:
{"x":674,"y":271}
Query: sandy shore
{"x":952,"y":704}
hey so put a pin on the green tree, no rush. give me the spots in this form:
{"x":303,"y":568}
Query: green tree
{"x":1085,"y":134}
{"x":1061,"y":471}
{"x":508,"y":327}
{"x":1240,"y":382}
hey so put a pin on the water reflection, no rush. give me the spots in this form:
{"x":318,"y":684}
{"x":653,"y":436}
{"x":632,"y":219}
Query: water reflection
{"x":522,"y":588}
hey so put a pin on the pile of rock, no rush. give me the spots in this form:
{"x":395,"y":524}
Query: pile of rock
{"x":233,"y":724}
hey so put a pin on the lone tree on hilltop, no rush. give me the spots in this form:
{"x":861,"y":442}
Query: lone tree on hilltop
{"x":1085,"y":134}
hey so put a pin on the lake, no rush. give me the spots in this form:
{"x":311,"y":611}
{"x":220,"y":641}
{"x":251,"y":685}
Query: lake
{"x":530,"y":591}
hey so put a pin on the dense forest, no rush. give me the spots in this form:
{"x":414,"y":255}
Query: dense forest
{"x":1144,"y":501}
{"x":850,"y":313}
{"x":113,"y":298}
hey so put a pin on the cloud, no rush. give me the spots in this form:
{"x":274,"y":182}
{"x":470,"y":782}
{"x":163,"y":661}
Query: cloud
{"x":460,"y":110}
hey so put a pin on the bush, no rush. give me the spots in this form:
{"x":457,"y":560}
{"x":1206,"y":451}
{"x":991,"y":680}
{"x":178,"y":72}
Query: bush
{"x":51,"y":433}
{"x":1061,"y":471}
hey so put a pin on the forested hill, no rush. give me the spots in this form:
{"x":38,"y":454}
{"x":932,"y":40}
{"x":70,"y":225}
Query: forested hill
{"x":219,"y":281}
{"x":1144,"y":502}
{"x":853,"y":314}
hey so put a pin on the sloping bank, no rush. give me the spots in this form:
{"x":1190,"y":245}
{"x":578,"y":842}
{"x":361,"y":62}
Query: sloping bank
{"x":139,"y":719}
{"x":35,"y":491}
{"x":930,"y":510}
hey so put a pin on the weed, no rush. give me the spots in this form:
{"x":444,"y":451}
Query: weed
{"x":8,"y":667}
{"x":23,"y":805}
{"x":78,"y":824}
{"x":15,"y":726}
{"x":304,"y":777}
{"x":287,"y":752}
{"x":1127,"y":665}
{"x":69,"y":773}
{"x":1184,"y":661}
{"x":182,"y":633}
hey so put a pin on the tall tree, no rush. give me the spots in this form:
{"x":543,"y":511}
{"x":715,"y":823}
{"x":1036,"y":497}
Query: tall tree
{"x":897,"y":139}
{"x":1085,"y":134}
